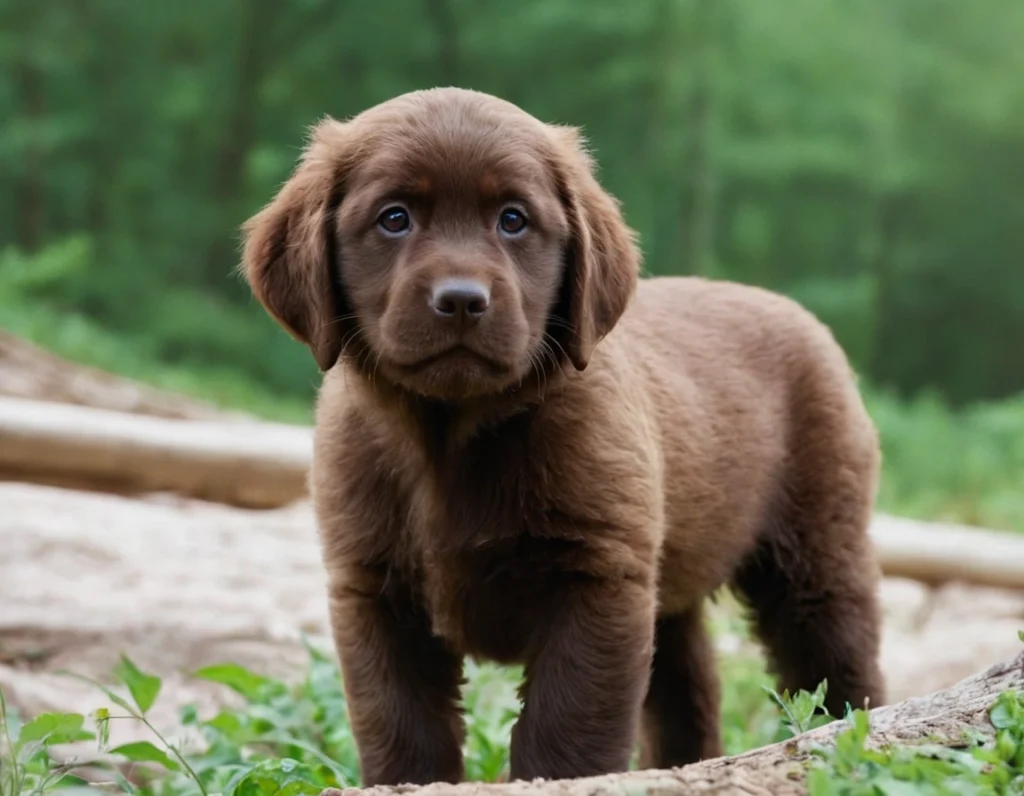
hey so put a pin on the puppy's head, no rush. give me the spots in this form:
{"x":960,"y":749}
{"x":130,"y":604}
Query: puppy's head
{"x":445,"y":241}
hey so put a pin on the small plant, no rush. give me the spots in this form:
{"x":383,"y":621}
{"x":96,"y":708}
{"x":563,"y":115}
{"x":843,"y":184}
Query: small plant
{"x":283,"y":739}
{"x":492,"y":706}
{"x":26,"y":762}
{"x":802,"y":712}
{"x":974,"y":765}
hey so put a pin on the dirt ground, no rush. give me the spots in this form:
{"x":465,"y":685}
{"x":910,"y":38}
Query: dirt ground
{"x":177,"y":584}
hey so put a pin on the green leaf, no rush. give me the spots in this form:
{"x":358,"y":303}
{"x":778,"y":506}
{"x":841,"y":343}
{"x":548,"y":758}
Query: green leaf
{"x":862,"y":724}
{"x":232,"y":786}
{"x":145,"y":752}
{"x":1006,"y":745}
{"x":227,"y":723}
{"x":819,"y":783}
{"x":112,"y":696}
{"x":1006,"y":712}
{"x":239,"y":679}
{"x":285,"y":777}
{"x":53,"y":728}
{"x":343,"y":777}
{"x":144,"y":687}
{"x":890,"y":786}
{"x":69,"y":781}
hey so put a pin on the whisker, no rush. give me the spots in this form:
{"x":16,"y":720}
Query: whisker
{"x":548,"y":339}
{"x":376,"y":367}
{"x":348,"y":339}
{"x":340,"y":319}
{"x":562,"y":323}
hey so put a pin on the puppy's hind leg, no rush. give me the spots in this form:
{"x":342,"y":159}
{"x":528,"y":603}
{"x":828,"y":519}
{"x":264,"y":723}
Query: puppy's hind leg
{"x":681,"y":712}
{"x":812,"y":584}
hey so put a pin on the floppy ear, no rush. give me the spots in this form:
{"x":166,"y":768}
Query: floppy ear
{"x":288,"y":251}
{"x":602,"y":261}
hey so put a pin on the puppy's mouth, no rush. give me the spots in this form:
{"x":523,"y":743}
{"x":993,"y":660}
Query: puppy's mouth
{"x":454,"y":374}
{"x":454,"y":356}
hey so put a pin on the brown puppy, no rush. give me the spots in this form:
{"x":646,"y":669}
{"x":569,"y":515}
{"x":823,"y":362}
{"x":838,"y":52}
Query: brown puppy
{"x":520,"y":460}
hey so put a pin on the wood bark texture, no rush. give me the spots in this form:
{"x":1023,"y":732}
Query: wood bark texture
{"x":240,"y":463}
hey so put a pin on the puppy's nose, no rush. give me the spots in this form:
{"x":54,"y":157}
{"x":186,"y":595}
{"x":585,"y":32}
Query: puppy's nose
{"x":463,"y":299}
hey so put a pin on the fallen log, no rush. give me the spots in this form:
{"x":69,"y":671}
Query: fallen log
{"x":776,"y":770}
{"x":264,"y":465}
{"x":937,"y":553}
{"x":235,"y":462}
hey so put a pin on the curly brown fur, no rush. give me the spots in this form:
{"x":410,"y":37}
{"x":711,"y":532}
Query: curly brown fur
{"x":559,"y":469}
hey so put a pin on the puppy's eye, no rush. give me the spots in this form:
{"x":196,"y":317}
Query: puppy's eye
{"x":512,"y":221}
{"x":394,"y":221}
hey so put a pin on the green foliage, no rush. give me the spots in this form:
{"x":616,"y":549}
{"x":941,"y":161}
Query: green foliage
{"x":970,"y":766}
{"x":144,"y":687}
{"x":803,"y":711}
{"x":864,"y":157}
{"x":492,"y":706}
{"x":295,"y":739}
{"x":962,"y":465}
{"x":749,"y":720}
{"x":79,"y":337}
{"x":282,"y":739}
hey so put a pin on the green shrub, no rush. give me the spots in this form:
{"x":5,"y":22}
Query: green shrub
{"x":959,"y":466}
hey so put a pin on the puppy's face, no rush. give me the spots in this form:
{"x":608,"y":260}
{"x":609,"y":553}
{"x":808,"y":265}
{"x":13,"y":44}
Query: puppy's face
{"x":452,"y":238}
{"x":445,"y":241}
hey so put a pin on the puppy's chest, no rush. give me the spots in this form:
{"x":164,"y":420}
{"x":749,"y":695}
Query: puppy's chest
{"x":489,"y":603}
{"x":493,"y":562}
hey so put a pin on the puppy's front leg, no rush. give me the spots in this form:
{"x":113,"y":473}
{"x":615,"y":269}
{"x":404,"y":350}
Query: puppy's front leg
{"x":402,"y":686}
{"x":585,"y":684}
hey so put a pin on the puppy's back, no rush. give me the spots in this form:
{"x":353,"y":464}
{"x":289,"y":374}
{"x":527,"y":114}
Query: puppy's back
{"x":727,"y":338}
{"x":745,"y":384}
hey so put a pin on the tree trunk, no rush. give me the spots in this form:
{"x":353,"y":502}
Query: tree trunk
{"x":698,"y":225}
{"x":31,"y":190}
{"x":779,"y":769}
{"x":239,"y":137}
